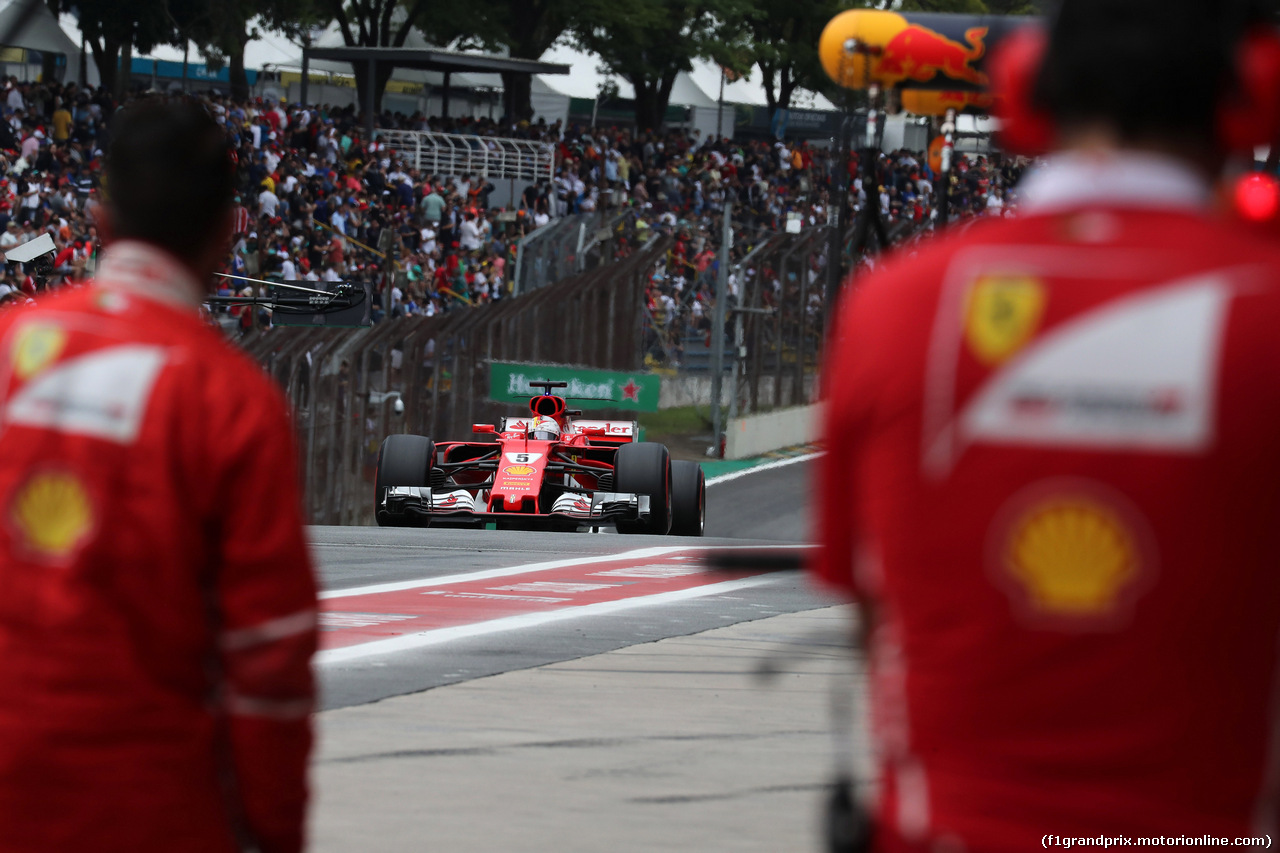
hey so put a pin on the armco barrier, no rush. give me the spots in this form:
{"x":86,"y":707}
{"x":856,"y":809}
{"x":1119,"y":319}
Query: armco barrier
{"x":342,"y":383}
{"x":757,"y":434}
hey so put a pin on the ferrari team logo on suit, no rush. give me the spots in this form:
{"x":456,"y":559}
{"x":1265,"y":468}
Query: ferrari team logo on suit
{"x":51,"y":515}
{"x":1002,"y":314}
{"x":36,"y":347}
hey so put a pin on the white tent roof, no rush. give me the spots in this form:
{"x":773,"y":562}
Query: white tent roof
{"x":41,"y":31}
{"x":699,"y":87}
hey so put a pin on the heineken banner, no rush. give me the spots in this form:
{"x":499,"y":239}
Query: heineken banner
{"x":588,"y":389}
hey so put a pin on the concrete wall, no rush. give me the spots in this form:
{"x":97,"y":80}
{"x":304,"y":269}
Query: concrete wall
{"x":756,"y":434}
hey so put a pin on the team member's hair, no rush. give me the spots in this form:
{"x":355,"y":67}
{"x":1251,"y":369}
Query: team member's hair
{"x":1148,"y":68}
{"x":170,"y":177}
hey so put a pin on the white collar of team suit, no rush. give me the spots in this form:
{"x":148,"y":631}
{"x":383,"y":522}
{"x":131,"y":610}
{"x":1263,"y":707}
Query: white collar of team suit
{"x":1112,"y":179}
{"x":140,"y":269}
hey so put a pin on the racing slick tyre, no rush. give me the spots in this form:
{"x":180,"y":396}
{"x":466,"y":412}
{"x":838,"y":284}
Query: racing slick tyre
{"x":688,"y":499}
{"x":403,"y":460}
{"x":645,"y":469}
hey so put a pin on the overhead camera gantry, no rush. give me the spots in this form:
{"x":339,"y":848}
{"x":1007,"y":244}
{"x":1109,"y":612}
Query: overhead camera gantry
{"x":346,"y":304}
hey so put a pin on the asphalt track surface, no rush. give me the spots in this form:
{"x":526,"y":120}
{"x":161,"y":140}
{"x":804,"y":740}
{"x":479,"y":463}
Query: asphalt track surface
{"x":373,"y":579}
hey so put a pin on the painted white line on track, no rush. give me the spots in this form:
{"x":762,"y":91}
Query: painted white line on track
{"x":485,"y":574}
{"x":768,"y":466}
{"x":434,"y":637}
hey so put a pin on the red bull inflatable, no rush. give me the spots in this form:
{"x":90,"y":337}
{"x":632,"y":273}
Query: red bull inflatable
{"x":862,"y":47}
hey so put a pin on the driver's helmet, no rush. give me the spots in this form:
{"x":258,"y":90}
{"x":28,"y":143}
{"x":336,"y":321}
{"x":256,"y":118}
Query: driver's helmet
{"x":544,"y":428}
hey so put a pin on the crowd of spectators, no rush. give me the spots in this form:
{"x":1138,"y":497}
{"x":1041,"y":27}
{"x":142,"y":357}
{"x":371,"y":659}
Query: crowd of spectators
{"x":318,"y":202}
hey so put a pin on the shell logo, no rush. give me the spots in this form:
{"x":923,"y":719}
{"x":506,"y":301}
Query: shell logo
{"x":35,"y":348}
{"x":518,"y":471}
{"x":52,"y":515}
{"x":1074,"y":556}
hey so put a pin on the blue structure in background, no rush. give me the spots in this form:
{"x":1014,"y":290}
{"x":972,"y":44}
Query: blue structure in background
{"x":197,"y":72}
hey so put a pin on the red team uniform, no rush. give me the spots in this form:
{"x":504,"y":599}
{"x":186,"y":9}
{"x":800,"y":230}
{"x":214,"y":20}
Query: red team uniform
{"x":151,"y":518}
{"x":1053,"y":477}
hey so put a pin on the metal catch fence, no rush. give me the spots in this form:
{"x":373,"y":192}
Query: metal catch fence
{"x":577,"y":243}
{"x":493,"y":157}
{"x":342,"y":383}
{"x":774,"y":320}
{"x":552,"y":252}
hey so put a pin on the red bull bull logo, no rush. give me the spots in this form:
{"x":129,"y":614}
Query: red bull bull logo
{"x":918,"y":54}
{"x":863,"y":47}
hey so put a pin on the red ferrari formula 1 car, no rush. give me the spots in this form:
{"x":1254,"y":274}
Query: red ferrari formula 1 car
{"x":546,"y":470}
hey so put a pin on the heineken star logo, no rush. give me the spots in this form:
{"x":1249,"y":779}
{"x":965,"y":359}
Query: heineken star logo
{"x":631,"y":391}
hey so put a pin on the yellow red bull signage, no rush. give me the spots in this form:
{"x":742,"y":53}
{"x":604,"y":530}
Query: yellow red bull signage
{"x":862,"y":47}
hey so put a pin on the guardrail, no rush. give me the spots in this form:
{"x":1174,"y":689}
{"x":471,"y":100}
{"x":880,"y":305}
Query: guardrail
{"x":342,"y":382}
{"x":495,"y":157}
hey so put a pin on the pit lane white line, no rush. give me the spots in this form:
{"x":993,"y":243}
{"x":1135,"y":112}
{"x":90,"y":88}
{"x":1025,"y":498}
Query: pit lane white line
{"x":530,"y":620}
{"x":768,"y":466}
{"x":485,"y":574}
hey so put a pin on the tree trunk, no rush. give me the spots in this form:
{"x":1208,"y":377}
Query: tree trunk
{"x":48,"y":67}
{"x":648,"y":113}
{"x":517,"y":95}
{"x":786,"y":88}
{"x":767,"y":77}
{"x":361,"y":70}
{"x":239,"y":79}
{"x":106,"y":55}
{"x":126,"y":70}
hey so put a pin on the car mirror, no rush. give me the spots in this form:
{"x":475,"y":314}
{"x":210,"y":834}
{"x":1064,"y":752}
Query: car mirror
{"x":485,"y":428}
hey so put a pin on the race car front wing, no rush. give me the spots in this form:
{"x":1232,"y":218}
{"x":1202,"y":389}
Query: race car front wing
{"x":421,"y":503}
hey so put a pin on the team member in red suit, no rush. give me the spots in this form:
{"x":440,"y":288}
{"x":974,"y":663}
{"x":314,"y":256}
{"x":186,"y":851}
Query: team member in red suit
{"x":1052,"y":480}
{"x":157,"y":603}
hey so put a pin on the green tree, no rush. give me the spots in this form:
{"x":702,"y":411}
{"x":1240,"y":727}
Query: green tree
{"x":527,"y":29}
{"x":959,"y":7}
{"x":1015,"y":7}
{"x":114,"y":30}
{"x":222,"y":28}
{"x":649,"y":42}
{"x":387,"y":23}
{"x":783,"y":44}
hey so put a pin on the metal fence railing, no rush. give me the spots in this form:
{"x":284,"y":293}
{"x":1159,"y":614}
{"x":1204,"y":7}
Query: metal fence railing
{"x":552,"y":252}
{"x":774,"y":321}
{"x":576,"y":243}
{"x":493,"y":157}
{"x":773,"y":331}
{"x":336,"y":379}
